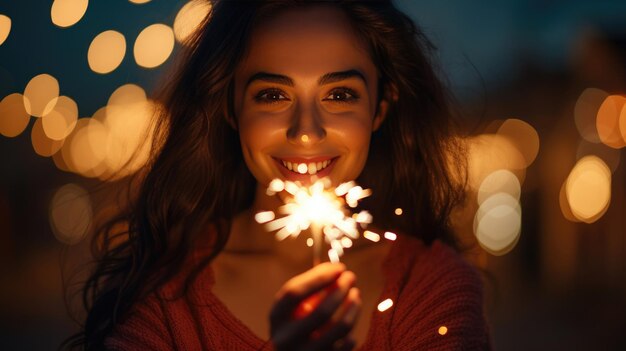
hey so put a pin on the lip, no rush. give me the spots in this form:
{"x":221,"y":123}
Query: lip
{"x":304,"y":178}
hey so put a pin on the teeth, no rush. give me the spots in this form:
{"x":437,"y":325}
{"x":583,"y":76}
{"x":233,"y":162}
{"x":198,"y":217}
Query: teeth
{"x":303,"y":168}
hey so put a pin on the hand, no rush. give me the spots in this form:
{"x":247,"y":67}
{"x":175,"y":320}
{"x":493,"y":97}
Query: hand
{"x":329,"y":323}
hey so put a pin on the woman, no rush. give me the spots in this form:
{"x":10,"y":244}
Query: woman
{"x":289,"y":89}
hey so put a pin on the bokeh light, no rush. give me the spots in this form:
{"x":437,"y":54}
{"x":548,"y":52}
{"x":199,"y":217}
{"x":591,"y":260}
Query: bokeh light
{"x":43,"y":145}
{"x":622,"y":122}
{"x":489,"y":153}
{"x":607,"y":122}
{"x":5,"y":28}
{"x":71,"y":214}
{"x":13,"y":116}
{"x":609,"y":155}
{"x":500,"y":181}
{"x":564,"y":204}
{"x":523,"y":135}
{"x":139,"y":1}
{"x":154,"y":45}
{"x":106,"y":51}
{"x":66,"y":13}
{"x":40,"y":94}
{"x":87,"y":148}
{"x":127,"y":94}
{"x":498,"y":223}
{"x":189,"y":19}
{"x":588,"y":189}
{"x":586,"y":111}
{"x":60,"y":122}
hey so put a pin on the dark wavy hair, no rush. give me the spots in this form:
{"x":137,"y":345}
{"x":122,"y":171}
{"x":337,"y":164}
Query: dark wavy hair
{"x":197,"y":177}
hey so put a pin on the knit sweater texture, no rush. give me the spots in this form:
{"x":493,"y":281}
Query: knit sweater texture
{"x":437,"y":305}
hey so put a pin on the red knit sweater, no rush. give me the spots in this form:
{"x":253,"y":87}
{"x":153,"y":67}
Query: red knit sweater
{"x":431,"y":287}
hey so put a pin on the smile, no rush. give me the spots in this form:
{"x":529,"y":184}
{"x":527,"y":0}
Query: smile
{"x":304,"y":167}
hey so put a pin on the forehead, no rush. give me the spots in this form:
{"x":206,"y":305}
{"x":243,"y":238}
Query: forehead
{"x":306,"y":42}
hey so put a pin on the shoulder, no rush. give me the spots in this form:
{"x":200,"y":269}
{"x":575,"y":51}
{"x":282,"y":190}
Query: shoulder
{"x":441,"y":299}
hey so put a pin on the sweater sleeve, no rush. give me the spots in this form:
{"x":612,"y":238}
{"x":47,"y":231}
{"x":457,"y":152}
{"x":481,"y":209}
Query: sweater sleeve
{"x":443,"y":308}
{"x":143,"y":329}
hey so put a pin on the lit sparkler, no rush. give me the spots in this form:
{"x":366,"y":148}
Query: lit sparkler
{"x":321,"y":209}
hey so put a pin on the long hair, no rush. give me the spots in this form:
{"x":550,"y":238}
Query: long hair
{"x":197,"y":177}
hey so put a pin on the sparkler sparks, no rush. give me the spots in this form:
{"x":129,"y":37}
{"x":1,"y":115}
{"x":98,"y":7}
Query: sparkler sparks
{"x":320,"y":208}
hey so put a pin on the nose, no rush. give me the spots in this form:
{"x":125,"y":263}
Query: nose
{"x":307,"y":127}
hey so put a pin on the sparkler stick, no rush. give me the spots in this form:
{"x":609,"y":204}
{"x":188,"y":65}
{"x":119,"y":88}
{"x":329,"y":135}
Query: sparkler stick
{"x":320,"y":208}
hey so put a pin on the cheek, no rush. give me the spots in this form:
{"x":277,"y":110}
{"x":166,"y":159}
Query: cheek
{"x":258,"y":135}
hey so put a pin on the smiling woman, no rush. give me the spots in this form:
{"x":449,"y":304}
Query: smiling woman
{"x":295,"y":90}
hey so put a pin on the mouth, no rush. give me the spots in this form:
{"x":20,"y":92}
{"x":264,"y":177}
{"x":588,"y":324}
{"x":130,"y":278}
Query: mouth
{"x":295,"y":168}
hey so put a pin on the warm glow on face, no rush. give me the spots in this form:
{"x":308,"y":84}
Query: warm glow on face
{"x":13,"y":116}
{"x":43,"y":145}
{"x":588,"y":189}
{"x":497,"y":223}
{"x":524,"y":136}
{"x":5,"y":28}
{"x":154,"y":45}
{"x":39,"y":93}
{"x":501,"y":181}
{"x":106,"y":51}
{"x":65,"y":13}
{"x":70,"y":214}
{"x":385,"y":305}
{"x":60,"y":122}
{"x":608,"y":121}
{"x":585,"y":112}
{"x":189,"y":18}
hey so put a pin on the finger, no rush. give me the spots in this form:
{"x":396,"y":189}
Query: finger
{"x":330,"y":305}
{"x":299,"y":331}
{"x":342,"y":327}
{"x":301,"y":286}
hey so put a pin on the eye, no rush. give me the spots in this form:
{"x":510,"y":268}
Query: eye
{"x":270,"y":96}
{"x":342,"y":95}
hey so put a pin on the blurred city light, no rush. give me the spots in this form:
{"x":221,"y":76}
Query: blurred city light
{"x":40,"y":94}
{"x":607,"y":122}
{"x":586,"y":111}
{"x":5,"y":28}
{"x":154,"y":45}
{"x":588,"y":189}
{"x":59,"y":123}
{"x":106,"y":51}
{"x":13,"y":116}
{"x":66,"y":13}
{"x":71,"y":214}
{"x":524,"y":136}
{"x":189,"y":18}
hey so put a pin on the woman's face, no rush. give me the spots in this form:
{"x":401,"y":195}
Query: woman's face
{"x":305,"y":98}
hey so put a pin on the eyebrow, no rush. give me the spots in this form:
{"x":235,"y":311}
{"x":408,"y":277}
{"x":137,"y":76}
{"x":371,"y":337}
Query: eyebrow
{"x":327,"y":78}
